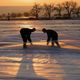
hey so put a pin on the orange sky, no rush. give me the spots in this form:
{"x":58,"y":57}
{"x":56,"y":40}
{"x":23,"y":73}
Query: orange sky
{"x":29,"y":2}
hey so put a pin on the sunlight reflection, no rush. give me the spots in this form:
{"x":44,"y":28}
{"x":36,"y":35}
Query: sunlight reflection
{"x":9,"y":65}
{"x":67,"y":44}
{"x":72,"y":47}
{"x":48,"y":67}
{"x":43,"y":43}
{"x":26,"y":26}
{"x":31,"y":65}
{"x":3,"y":58}
{"x":10,"y":46}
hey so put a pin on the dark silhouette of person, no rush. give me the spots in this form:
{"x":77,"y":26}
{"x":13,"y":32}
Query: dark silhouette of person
{"x":51,"y":35}
{"x":26,"y":35}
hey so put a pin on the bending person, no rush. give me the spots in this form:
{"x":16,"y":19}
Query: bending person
{"x":51,"y":35}
{"x":26,"y":35}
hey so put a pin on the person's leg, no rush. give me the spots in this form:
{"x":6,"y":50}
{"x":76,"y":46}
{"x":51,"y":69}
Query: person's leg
{"x":57,"y":43}
{"x":52,"y":43}
{"x":24,"y":42}
{"x":24,"y":45}
{"x":48,"y":40}
{"x":29,"y":39}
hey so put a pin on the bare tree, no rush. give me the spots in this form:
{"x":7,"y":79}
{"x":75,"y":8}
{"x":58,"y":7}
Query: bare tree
{"x":36,"y":10}
{"x":3,"y":16}
{"x":0,"y":16}
{"x":48,"y":8}
{"x":8,"y":16}
{"x":69,"y":7}
{"x":58,"y":9}
{"x":77,"y":11}
{"x":13,"y":15}
{"x":26,"y":14}
{"x":19,"y":14}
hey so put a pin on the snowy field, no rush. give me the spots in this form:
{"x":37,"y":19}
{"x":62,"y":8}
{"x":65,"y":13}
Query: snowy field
{"x":40,"y":62}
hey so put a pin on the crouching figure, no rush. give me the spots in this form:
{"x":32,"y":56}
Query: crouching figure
{"x":51,"y":35}
{"x":26,"y":35}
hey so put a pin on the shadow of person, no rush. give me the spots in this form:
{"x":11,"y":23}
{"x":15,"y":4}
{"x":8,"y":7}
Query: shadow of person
{"x":55,"y":61}
{"x":67,"y":61}
{"x":62,"y":61}
{"x":26,"y":70}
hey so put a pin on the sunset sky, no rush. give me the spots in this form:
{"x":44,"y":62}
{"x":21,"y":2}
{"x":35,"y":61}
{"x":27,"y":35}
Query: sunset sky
{"x":29,"y":2}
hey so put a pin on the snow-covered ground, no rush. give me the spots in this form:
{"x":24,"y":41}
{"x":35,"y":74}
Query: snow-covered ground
{"x":40,"y":62}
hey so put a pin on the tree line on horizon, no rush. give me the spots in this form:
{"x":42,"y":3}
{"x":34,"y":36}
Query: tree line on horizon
{"x":65,"y":10}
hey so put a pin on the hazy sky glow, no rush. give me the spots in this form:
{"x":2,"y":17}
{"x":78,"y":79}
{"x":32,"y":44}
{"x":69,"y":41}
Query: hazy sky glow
{"x":29,"y":2}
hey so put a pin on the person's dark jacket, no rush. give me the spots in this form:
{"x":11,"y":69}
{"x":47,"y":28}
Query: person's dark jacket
{"x":26,"y":32}
{"x":52,"y":34}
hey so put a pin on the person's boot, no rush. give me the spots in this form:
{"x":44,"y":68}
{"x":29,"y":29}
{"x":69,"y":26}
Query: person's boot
{"x":24,"y":45}
{"x":31,"y":44}
{"x":58,"y":44}
{"x":47,"y":43}
{"x":52,"y":44}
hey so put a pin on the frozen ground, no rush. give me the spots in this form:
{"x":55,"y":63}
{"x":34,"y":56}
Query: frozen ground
{"x":40,"y":62}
